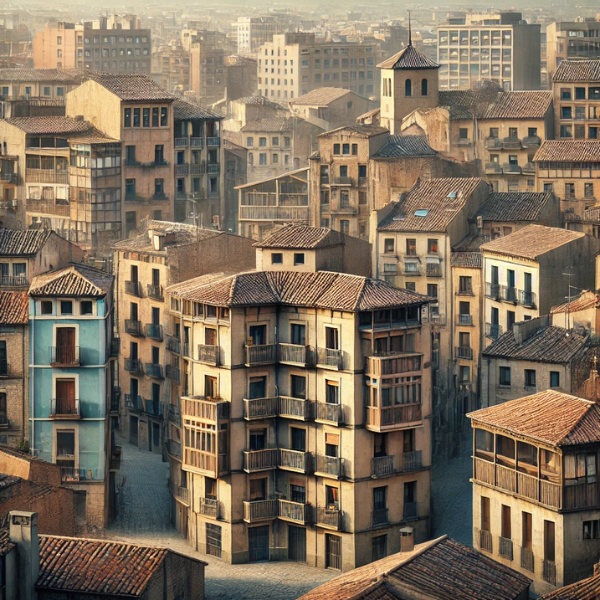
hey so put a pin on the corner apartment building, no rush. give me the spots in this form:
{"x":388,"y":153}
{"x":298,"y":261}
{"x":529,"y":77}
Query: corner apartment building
{"x":253,"y":32}
{"x":524,"y":273}
{"x":502,"y":48}
{"x":71,"y":382}
{"x":293,"y":64}
{"x":535,"y":500}
{"x":280,"y":444}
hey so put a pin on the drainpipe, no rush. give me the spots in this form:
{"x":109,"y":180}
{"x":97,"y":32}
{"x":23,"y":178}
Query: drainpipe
{"x":23,"y":424}
{"x":32,"y":377}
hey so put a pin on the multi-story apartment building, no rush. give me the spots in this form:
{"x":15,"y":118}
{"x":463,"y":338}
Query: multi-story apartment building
{"x":165,"y":254}
{"x":207,"y":68}
{"x":576,"y":86}
{"x":502,"y":48}
{"x":293,"y":64}
{"x":114,"y":44}
{"x":271,"y":203}
{"x":171,"y":68}
{"x":571,"y":170}
{"x":280,"y":441}
{"x":535,"y":500}
{"x":524,"y":273}
{"x":70,"y":382}
{"x":571,"y":40}
{"x":253,"y":32}
{"x":532,"y":356}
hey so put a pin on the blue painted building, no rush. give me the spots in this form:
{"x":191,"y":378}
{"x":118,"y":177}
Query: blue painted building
{"x":71,"y":381}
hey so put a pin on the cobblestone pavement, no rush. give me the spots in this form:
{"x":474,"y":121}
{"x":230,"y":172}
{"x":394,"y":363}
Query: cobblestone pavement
{"x":452,"y":495}
{"x":143,"y":518}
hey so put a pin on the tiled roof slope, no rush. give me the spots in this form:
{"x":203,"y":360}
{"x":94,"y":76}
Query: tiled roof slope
{"x":577,"y":70}
{"x":587,"y":299}
{"x":519,"y":105}
{"x":259,"y":101}
{"x":73,"y":281}
{"x":569,"y":151}
{"x":188,"y":111}
{"x":14,"y":308}
{"x":323,"y":289}
{"x":441,"y":198}
{"x":49,"y":125}
{"x":96,"y":567}
{"x":532,"y":241}
{"x":471,"y":243}
{"x":362,"y":131}
{"x":552,"y":417}
{"x":586,"y":589}
{"x":442,"y":569}
{"x":22,"y":242}
{"x":409,"y":58}
{"x":131,"y":87}
{"x":514,"y":206}
{"x":403,"y":146}
{"x":320,"y":97}
{"x":24,"y":75}
{"x":301,"y":236}
{"x":268,"y":125}
{"x":469,"y":260}
{"x":547,"y":345}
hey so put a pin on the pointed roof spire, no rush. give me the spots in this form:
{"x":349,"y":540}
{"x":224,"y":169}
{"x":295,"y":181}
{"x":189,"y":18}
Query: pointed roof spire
{"x":409,"y":31}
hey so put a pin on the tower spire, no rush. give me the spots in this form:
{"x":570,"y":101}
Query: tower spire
{"x":409,"y":31}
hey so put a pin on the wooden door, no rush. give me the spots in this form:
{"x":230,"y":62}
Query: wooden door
{"x":65,"y":345}
{"x":65,"y":396}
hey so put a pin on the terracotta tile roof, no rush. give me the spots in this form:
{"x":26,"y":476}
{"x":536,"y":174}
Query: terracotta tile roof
{"x":442,"y":569}
{"x":96,"y":567}
{"x":14,"y":308}
{"x":259,"y":101}
{"x":73,"y":281}
{"x":552,"y":417}
{"x":532,"y":241}
{"x":320,"y":97}
{"x":188,"y":111}
{"x":577,"y":70}
{"x":363,"y":131}
{"x":26,"y":75}
{"x":567,"y":151}
{"x":514,"y":206}
{"x":586,"y":589}
{"x":301,"y":236}
{"x":22,"y":242}
{"x":5,"y":544}
{"x":49,"y":124}
{"x":587,"y":299}
{"x":131,"y":87}
{"x":323,"y":289}
{"x":471,"y":243}
{"x":430,"y":205}
{"x":405,"y":146}
{"x":519,"y":105}
{"x":547,"y":345}
{"x":409,"y":58}
{"x":269,"y":125}
{"x":469,"y":260}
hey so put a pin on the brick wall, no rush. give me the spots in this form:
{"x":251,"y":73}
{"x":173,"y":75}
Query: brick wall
{"x":26,"y":467}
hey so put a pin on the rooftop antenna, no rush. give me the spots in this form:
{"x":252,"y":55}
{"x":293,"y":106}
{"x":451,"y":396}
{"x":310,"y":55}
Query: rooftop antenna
{"x":409,"y":31}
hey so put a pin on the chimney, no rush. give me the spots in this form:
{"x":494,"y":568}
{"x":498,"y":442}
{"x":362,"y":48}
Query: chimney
{"x":24,"y":533}
{"x":407,"y":539}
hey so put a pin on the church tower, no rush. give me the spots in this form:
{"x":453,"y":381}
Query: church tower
{"x":409,"y":80}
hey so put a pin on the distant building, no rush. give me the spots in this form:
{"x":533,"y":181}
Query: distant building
{"x":171,"y":68}
{"x":253,"y":32}
{"x":207,"y":68}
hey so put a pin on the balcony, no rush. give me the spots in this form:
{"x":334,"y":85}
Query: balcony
{"x":260,"y":510}
{"x":508,"y":294}
{"x":182,"y":169}
{"x":527,"y":560}
{"x":46,"y":176}
{"x":485,"y":540}
{"x":493,"y":168}
{"x":464,"y":320}
{"x":527,"y":299}
{"x":511,"y":169}
{"x":197,"y":142}
{"x":173,"y":373}
{"x":260,"y":460}
{"x":330,"y":358}
{"x":532,"y":141}
{"x":71,"y":474}
{"x":261,"y":408}
{"x":133,"y":288}
{"x":154,"y":370}
{"x":329,"y":413}
{"x":511,"y":143}
{"x":173,"y":344}
{"x":379,"y":517}
{"x":61,"y":408}
{"x":411,"y":511}
{"x":392,"y":418}
{"x":464,"y":143}
{"x":205,"y":409}
{"x":343,"y":181}
{"x":64,"y":356}
{"x":12,"y":281}
{"x":296,"y":512}
{"x":174,"y":448}
{"x":213,"y":141}
{"x":293,"y":354}
{"x":505,"y":548}
{"x":214,"y":168}
{"x":411,"y":461}
{"x":329,"y":518}
{"x":434,"y":270}
{"x":155,"y":292}
{"x":294,"y":460}
{"x":492,"y":290}
{"x":154,"y":408}
{"x":134,"y":403}
{"x":4,"y":422}
{"x":180,"y":493}
{"x":10,"y":178}
{"x":115,"y":459}
{"x":493,"y":331}
{"x":209,"y":355}
{"x":182,"y":142}
{"x":410,"y":269}
{"x":209,"y":507}
{"x":548,"y":571}
{"x":262,"y":354}
{"x":133,"y":365}
{"x":154,"y":331}
{"x":529,"y":168}
{"x":329,"y":466}
{"x":274,"y":213}
{"x":393,"y":364}
{"x":492,"y":143}
{"x":173,"y":414}
{"x":294,"y":408}
{"x":133,"y":327}
{"x":382,"y":466}
{"x":464,"y":352}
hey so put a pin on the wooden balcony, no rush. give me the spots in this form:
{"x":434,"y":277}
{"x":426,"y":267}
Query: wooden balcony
{"x":329,"y":518}
{"x":294,"y":354}
{"x":393,"y":364}
{"x":330,"y":358}
{"x":209,"y":507}
{"x":505,"y":548}
{"x":294,"y":408}
{"x":180,"y":493}
{"x":210,"y":465}
{"x":393,"y":418}
{"x":261,"y":408}
{"x":329,"y":466}
{"x":64,"y":356}
{"x":260,"y":460}
{"x":548,"y":571}
{"x":274,"y":213}
{"x":296,"y":512}
{"x":260,"y":510}
{"x":485,"y":540}
{"x":205,"y":409}
{"x":61,"y":408}
{"x":329,"y":413}
{"x":294,"y":460}
{"x":209,"y":355}
{"x":174,"y":448}
{"x":263,"y":354}
{"x":527,"y":560}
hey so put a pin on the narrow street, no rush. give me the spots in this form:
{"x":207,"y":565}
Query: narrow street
{"x":143,"y":518}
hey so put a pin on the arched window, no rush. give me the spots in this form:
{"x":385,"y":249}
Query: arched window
{"x":423,"y":87}
{"x":408,"y":88}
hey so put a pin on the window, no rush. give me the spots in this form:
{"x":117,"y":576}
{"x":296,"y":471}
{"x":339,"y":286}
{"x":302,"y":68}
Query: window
{"x":424,"y":87}
{"x":408,"y":88}
{"x":136,"y":117}
{"x":529,"y":377}
{"x":249,"y":142}
{"x":485,"y":514}
{"x":432,"y":246}
{"x":262,"y":159}
{"x":345,"y":227}
{"x":549,"y":541}
{"x":465,"y":285}
{"x":155,"y":116}
{"x":66,"y":307}
{"x":46,"y":307}
{"x":569,"y":190}
{"x":554,"y":379}
{"x":379,"y":547}
{"x":298,"y":439}
{"x":590,"y":530}
{"x":465,"y":374}
{"x":388,"y":246}
{"x":86,"y":307}
{"x":298,"y":334}
{"x":506,"y":528}
{"x":432,"y":290}
{"x":411,"y":247}
{"x":127,"y":117}
{"x":276,"y":258}
{"x":589,"y":190}
{"x":262,"y":142}
{"x":463,"y":133}
{"x":163,"y":116}
{"x":298,"y":386}
{"x":332,"y":392}
{"x":298,"y":258}
{"x":505,"y":376}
